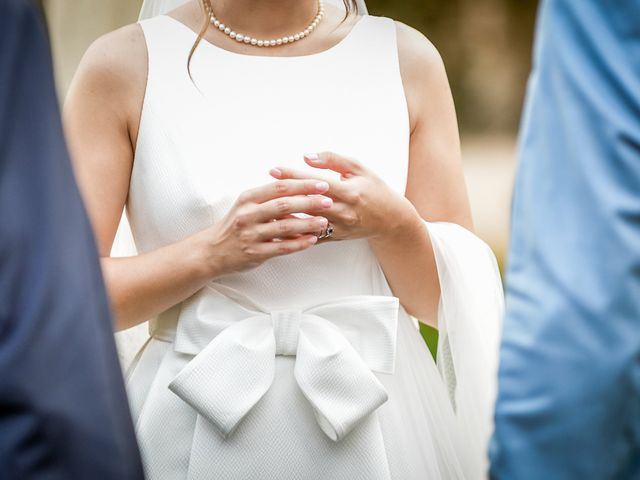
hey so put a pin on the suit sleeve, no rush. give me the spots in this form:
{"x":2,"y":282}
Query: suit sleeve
{"x":63,"y":408}
{"x":569,"y":383}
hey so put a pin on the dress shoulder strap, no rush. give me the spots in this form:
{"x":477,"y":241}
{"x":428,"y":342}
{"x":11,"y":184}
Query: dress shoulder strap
{"x":374,"y":37}
{"x":168,"y":45}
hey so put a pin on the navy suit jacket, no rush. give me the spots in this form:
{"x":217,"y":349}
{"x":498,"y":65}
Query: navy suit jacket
{"x":63,"y":409}
{"x":569,"y":384}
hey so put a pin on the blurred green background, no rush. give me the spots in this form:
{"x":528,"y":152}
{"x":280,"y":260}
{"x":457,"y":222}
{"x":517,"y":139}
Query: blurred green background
{"x":486,"y":47}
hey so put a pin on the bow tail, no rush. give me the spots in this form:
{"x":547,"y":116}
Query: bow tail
{"x":338,"y":384}
{"x":228,"y":377}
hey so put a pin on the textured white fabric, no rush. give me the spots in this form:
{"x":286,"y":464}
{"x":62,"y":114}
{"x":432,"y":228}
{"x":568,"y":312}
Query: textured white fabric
{"x":200,"y":144}
{"x":336,"y":344}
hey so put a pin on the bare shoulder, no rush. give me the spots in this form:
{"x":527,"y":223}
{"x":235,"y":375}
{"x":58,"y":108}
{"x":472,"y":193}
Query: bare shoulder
{"x":416,"y":52}
{"x":422,"y":69}
{"x":113,"y":70}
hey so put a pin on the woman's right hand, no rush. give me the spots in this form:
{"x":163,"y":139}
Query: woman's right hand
{"x":260,"y":224}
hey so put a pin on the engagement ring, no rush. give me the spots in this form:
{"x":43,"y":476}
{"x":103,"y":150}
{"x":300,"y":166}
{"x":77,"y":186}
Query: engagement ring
{"x":326,"y":232}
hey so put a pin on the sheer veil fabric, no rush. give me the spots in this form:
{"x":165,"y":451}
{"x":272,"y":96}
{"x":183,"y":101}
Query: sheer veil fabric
{"x":453,"y":398}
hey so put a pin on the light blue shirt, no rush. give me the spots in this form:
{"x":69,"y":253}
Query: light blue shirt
{"x":569,"y":393}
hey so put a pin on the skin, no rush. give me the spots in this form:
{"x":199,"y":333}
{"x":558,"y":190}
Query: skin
{"x":101,"y":118}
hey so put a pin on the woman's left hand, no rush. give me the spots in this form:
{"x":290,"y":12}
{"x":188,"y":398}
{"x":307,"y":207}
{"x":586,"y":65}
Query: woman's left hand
{"x":364,"y":206}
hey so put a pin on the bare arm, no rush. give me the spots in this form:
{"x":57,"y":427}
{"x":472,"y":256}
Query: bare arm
{"x":366,"y":207}
{"x":435,"y":185}
{"x":101,"y":117}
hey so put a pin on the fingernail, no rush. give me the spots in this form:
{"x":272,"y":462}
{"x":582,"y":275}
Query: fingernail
{"x":313,"y":157}
{"x":322,"y":186}
{"x":275,"y":171}
{"x":327,"y":202}
{"x":313,"y":239}
{"x":323,"y":221}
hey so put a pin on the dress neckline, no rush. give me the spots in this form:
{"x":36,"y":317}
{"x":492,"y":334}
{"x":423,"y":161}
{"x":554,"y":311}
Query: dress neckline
{"x":344,"y":40}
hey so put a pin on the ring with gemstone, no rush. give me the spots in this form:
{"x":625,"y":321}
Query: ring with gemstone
{"x":326,"y":232}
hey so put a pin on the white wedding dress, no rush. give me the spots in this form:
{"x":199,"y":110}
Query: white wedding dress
{"x":306,"y":367}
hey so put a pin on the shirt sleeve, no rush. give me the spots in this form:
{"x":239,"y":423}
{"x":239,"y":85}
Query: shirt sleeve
{"x":569,"y":382}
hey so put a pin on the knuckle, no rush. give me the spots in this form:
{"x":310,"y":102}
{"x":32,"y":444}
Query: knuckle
{"x":302,"y":244}
{"x":282,"y":205}
{"x":329,"y":156}
{"x":352,"y":196}
{"x":251,"y":252}
{"x":350,"y":219}
{"x":284,"y":248}
{"x":252,"y":256}
{"x":245,"y":197}
{"x":315,"y":202}
{"x":241,"y":220}
{"x":281,"y":186}
{"x":246,"y":237}
{"x":284,"y":227}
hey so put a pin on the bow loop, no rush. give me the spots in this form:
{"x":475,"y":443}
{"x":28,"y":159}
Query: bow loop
{"x":337,"y":346}
{"x":228,"y":377}
{"x":336,"y":381}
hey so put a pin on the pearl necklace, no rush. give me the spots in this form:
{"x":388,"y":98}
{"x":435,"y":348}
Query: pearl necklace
{"x":239,"y":37}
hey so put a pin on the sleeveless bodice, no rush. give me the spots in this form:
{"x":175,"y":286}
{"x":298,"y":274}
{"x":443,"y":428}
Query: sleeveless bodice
{"x":202,"y":142}
{"x":288,"y":370}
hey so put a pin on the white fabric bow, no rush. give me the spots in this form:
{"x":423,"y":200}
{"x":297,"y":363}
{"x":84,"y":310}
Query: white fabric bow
{"x":337,"y":345}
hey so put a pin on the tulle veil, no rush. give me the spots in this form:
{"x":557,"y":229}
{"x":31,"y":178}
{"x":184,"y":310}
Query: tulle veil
{"x":470,"y":323}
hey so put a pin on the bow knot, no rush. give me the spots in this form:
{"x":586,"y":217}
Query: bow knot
{"x":337,"y":344}
{"x":286,"y":329}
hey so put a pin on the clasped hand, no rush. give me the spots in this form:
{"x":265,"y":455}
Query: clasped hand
{"x":262,"y":222}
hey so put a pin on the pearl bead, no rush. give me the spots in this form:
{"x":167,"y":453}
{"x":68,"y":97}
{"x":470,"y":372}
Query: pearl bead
{"x":268,"y":43}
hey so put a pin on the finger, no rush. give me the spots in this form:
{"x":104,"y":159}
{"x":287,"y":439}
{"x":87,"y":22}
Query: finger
{"x":336,"y":188}
{"x":335,"y":162}
{"x":290,"y":227}
{"x":278,"y":207}
{"x":284,"y":247}
{"x":289,"y":215}
{"x":285,"y":187}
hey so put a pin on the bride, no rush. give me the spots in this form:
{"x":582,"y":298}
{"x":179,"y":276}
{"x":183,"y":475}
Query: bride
{"x":291,"y":174}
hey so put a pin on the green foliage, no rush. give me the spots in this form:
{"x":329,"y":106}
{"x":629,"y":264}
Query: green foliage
{"x":430,"y":336}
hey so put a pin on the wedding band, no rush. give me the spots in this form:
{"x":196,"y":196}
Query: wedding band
{"x":326,"y":232}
